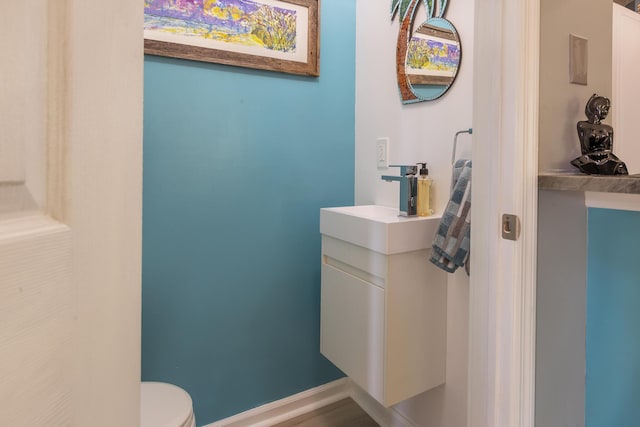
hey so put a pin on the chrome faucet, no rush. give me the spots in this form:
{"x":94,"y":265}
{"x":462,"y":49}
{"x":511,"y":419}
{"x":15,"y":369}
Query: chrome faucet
{"x":408,"y":188}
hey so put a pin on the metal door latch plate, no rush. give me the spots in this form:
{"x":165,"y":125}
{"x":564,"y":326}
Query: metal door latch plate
{"x":510,"y":227}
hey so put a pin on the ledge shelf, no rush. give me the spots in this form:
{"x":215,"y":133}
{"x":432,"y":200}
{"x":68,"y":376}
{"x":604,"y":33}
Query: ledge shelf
{"x":601,"y":191}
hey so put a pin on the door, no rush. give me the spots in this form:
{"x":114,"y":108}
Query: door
{"x":70,"y":212}
{"x":505,"y":172}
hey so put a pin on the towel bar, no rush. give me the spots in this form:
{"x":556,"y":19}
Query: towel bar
{"x":455,"y":143}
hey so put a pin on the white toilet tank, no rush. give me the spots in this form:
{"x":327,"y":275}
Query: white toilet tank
{"x":165,"y":405}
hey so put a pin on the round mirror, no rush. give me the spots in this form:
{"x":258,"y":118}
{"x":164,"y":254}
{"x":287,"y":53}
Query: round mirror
{"x":433,"y":58}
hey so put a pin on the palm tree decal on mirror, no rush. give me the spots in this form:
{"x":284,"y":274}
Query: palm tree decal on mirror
{"x":427,"y":59}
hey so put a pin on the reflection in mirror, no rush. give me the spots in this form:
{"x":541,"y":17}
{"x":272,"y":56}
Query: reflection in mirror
{"x":433,"y":58}
{"x":629,"y":4}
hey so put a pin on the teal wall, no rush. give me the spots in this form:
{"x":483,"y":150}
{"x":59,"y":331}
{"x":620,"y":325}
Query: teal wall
{"x":613,"y":319}
{"x":237,"y":164}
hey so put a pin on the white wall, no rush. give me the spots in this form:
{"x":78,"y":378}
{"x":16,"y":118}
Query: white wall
{"x":562,"y":103}
{"x":562,"y":221}
{"x":562,"y":218}
{"x":417,"y":132}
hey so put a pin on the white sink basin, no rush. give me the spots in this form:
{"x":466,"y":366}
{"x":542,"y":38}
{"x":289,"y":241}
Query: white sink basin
{"x":378,"y":228}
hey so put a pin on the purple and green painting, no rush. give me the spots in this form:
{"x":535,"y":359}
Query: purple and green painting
{"x":240,"y":22}
{"x":429,"y":54}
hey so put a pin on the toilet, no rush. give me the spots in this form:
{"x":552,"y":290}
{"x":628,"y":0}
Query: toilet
{"x":165,"y":405}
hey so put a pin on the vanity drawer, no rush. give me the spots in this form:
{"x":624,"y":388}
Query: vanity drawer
{"x":352,"y":328}
{"x":363,"y":263}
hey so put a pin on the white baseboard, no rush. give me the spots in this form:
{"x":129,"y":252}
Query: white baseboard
{"x":315,"y":398}
{"x":386,"y":417}
{"x":289,"y":407}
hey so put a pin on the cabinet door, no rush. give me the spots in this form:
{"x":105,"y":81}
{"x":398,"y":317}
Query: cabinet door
{"x":352,"y":328}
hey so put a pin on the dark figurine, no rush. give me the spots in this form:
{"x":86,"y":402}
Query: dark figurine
{"x":596,"y":141}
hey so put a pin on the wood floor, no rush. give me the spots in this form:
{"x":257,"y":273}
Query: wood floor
{"x":344,"y":413}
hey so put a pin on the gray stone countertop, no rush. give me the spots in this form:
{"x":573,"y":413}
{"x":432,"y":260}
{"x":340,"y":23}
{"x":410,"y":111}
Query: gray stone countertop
{"x":629,"y":184}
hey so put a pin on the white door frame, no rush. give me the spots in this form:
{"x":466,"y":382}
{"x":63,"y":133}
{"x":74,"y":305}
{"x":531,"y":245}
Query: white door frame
{"x":505,"y":162}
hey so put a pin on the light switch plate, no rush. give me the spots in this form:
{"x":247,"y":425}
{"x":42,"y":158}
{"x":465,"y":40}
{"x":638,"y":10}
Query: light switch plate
{"x":578,"y":59}
{"x":382,"y":153}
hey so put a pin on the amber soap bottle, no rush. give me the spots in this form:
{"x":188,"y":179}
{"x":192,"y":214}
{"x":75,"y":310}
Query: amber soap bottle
{"x":424,"y":191}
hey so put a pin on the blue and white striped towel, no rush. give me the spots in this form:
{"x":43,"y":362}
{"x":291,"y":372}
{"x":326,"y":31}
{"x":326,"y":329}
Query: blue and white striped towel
{"x":450,"y":247}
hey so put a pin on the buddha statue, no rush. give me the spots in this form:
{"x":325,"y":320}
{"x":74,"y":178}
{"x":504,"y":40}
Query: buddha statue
{"x":596,"y":141}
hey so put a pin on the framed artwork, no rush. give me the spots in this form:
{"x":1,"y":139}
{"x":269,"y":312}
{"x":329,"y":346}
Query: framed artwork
{"x":277,"y":35}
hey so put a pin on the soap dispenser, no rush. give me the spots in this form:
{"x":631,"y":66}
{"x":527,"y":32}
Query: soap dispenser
{"x":424,"y":191}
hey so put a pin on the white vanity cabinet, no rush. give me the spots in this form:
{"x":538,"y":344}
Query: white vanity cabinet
{"x":383,"y":304}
